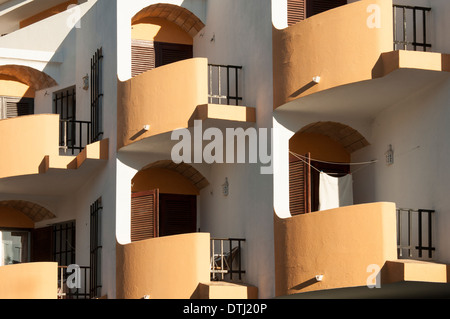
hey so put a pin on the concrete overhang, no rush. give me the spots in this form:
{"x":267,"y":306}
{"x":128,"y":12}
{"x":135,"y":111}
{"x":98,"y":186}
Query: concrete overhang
{"x":400,"y":279}
{"x":399,"y":290}
{"x":210,"y":116}
{"x":397,"y":76}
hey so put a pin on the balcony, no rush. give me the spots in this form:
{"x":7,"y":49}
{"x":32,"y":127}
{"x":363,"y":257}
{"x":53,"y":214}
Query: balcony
{"x":30,"y":145}
{"x":172,"y":267}
{"x":170,"y":97}
{"x":343,"y":247}
{"x":354,"y":59}
{"x":411,"y":30}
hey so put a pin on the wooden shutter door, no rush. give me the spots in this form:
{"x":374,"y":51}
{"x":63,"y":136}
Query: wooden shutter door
{"x":142,"y":56}
{"x":178,"y":214}
{"x":299,"y":185}
{"x":144,"y":215}
{"x":42,"y":245}
{"x":296,"y":11}
{"x":319,"y":6}
{"x":16,"y":106}
{"x":167,"y":53}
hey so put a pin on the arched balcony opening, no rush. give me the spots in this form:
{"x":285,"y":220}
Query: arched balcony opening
{"x":20,"y":241}
{"x":164,"y":200}
{"x":318,"y":153}
{"x":162,"y":34}
{"x":18,"y":85}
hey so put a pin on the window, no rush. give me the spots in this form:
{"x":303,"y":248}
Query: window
{"x":300,"y":185}
{"x":14,"y":247}
{"x":144,"y":215}
{"x":147,"y":55}
{"x":304,"y":182}
{"x":64,"y":104}
{"x":301,"y":9}
{"x":11,"y":107}
{"x":64,"y":243}
{"x":142,"y":56}
{"x":95,"y":248}
{"x":156,"y":215}
{"x":97,"y":96}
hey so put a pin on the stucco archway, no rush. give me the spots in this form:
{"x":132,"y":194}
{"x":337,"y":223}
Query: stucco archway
{"x":182,"y":17}
{"x":36,"y":79}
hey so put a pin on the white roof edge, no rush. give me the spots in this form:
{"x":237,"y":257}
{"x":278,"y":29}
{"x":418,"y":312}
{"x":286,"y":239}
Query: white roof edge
{"x":12,"y":5}
{"x":31,"y":55}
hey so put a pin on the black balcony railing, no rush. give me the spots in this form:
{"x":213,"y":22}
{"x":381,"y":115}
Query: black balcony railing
{"x":415,"y":232}
{"x":226,"y":258}
{"x":224,"y":85}
{"x":410,"y":28}
{"x":74,"y":136}
{"x":82,"y":291}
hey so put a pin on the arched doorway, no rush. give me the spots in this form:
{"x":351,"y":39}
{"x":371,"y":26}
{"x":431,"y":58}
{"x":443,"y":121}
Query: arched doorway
{"x":318,"y":149}
{"x":164,"y":200}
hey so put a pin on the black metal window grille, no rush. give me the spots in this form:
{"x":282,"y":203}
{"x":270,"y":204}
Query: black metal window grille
{"x":226,"y":258}
{"x":410,"y":28}
{"x":64,"y":243}
{"x":95,"y":248}
{"x":415,"y":231}
{"x":96,"y":96}
{"x":224,"y":85}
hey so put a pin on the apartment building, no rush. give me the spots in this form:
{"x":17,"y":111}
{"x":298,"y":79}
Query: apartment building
{"x":200,"y":149}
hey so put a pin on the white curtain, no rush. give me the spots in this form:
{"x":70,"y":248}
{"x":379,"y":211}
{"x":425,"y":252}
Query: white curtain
{"x":335,"y":192}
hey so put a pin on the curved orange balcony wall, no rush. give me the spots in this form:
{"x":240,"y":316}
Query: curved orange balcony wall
{"x":29,"y":281}
{"x":25,"y":142}
{"x":163,"y":268}
{"x":340,"y":244}
{"x":341,"y":46}
{"x":164,"y":98}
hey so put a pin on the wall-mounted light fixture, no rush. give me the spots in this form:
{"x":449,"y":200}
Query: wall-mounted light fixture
{"x":319,"y":278}
{"x":226,"y":187}
{"x":86,"y":82}
{"x":146,"y":127}
{"x":390,"y":156}
{"x":316,"y":79}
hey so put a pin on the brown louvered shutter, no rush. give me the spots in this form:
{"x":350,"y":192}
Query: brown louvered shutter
{"x":142,"y":56}
{"x":167,"y":53}
{"x":16,"y":106}
{"x":319,"y":6}
{"x":296,"y":11}
{"x":178,"y":214}
{"x":144,"y":215}
{"x":299,"y":185}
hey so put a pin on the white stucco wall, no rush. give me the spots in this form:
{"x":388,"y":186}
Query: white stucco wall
{"x":74,"y":48}
{"x":242,"y":33}
{"x":417,"y":130}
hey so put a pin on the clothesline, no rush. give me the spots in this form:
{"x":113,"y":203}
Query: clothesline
{"x":335,"y":163}
{"x":303,"y":159}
